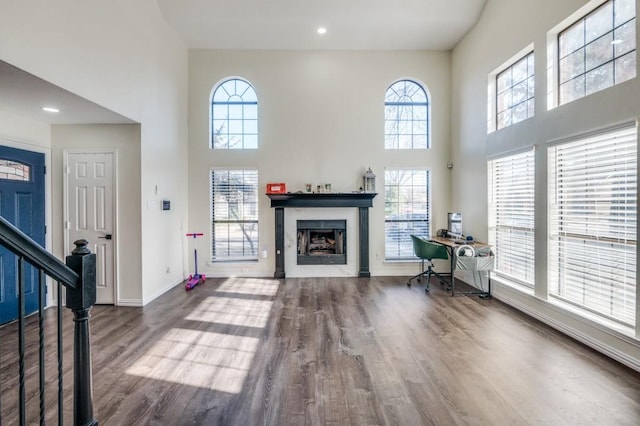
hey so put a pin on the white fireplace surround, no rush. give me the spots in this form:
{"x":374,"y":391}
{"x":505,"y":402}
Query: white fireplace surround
{"x":293,"y":270}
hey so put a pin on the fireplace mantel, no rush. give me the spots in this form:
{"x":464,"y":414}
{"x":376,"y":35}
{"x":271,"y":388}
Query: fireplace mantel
{"x":335,"y":199}
{"x":360,"y":200}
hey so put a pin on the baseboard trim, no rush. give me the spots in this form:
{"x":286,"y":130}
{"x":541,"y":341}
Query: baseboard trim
{"x":242,"y":275}
{"x":134,"y":303}
{"x":584,"y":338}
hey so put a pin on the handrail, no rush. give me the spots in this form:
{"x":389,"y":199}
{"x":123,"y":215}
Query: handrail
{"x":78,"y":275}
{"x":20,"y":244}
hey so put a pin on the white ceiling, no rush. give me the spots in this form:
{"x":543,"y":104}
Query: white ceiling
{"x":351,"y":24}
{"x":25,"y":94}
{"x":265,"y":24}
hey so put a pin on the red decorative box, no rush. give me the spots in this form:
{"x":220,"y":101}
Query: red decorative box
{"x":276,"y":188}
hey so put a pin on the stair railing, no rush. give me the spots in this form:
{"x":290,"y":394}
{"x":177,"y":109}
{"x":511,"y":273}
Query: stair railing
{"x":78,"y":277}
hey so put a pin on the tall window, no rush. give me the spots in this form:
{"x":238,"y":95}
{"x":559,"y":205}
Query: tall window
{"x":511,"y":216}
{"x":234,"y":116}
{"x":515,"y":87}
{"x":407,"y":210}
{"x":406,"y":116}
{"x":234,"y":213}
{"x":592,"y":223}
{"x":598,"y":51}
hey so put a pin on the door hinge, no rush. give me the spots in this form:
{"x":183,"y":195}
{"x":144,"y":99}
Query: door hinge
{"x":45,"y":170}
{"x":45,"y":229}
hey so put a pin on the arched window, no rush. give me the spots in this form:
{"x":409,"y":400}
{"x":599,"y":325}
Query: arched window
{"x":234,"y":115}
{"x":12,"y":170}
{"x":406,"y":116}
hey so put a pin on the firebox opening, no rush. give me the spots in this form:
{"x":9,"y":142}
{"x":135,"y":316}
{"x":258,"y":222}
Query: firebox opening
{"x":322,"y":242}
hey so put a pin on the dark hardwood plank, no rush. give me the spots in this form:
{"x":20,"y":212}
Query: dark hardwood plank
{"x":326,"y":351}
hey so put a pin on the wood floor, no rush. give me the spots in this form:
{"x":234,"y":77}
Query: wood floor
{"x":329,"y":351}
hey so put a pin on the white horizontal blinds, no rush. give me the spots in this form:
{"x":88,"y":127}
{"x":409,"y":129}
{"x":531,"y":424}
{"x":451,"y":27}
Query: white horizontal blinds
{"x":511,"y":216}
{"x":592,"y":223}
{"x":234,"y":213}
{"x":407,"y":210}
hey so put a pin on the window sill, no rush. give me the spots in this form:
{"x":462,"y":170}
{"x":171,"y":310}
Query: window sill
{"x":512,"y":284}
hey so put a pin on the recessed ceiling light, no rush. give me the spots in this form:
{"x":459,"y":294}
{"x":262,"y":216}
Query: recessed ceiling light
{"x":616,"y":41}
{"x":50,"y":109}
{"x":321,"y":30}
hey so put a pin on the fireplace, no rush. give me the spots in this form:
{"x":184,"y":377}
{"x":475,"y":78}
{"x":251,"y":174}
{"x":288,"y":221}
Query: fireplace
{"x":322,"y":242}
{"x":362,"y":201}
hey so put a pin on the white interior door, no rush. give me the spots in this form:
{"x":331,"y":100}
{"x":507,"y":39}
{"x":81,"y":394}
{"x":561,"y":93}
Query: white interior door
{"x":90,"y":213}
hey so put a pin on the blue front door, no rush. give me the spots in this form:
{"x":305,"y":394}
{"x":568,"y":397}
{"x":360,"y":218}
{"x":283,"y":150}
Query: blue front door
{"x":22,"y":204}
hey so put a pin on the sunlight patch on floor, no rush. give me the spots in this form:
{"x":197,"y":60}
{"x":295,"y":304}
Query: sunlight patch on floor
{"x":208,"y":359}
{"x":232,"y":311}
{"x":254,"y":286}
{"x":198,"y":358}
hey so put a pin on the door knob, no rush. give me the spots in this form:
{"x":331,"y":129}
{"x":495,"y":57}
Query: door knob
{"x":107,"y":237}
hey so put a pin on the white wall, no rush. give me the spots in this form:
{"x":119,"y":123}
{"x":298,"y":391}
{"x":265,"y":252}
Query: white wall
{"x":121,"y":55}
{"x":321,"y":120}
{"x":505,"y":28}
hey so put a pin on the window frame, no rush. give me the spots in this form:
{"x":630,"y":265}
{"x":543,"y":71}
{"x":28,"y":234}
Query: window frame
{"x":253,"y":220}
{"x":554,"y":97}
{"x":528,"y":101}
{"x":397,"y":104}
{"x":492,"y":87}
{"x":234,"y":107}
{"x":403,"y":242}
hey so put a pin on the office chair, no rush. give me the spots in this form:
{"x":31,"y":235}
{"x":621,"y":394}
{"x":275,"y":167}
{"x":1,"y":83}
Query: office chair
{"x":428,"y":251}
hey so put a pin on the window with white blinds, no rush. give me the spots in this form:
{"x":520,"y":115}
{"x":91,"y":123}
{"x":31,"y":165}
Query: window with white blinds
{"x":592,"y":223}
{"x":511,"y":216}
{"x":234,"y":213}
{"x":407,"y":210}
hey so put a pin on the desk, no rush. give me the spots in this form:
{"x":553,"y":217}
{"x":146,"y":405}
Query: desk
{"x":452,"y":245}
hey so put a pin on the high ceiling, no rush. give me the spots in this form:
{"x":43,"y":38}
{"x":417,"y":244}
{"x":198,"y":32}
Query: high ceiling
{"x":266,"y":24}
{"x":350,"y":24}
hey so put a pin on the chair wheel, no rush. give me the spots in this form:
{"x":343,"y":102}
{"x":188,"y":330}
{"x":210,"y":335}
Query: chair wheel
{"x":426,"y":290}
{"x":409,"y":284}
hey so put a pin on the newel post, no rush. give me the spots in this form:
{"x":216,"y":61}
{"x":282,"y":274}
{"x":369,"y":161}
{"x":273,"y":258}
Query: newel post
{"x":80,"y":301}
